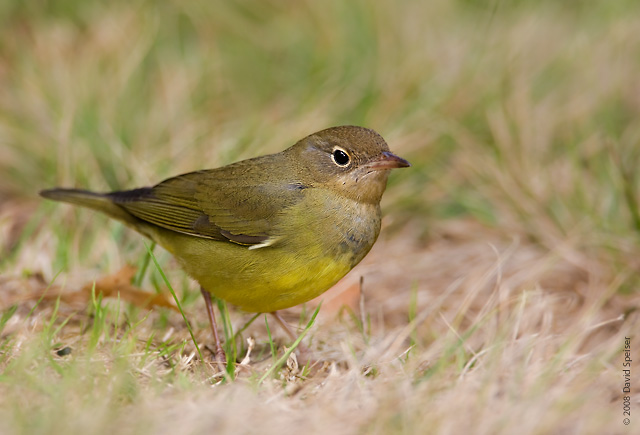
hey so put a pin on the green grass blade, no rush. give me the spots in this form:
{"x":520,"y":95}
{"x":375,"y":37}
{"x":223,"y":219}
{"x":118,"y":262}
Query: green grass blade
{"x":283,"y":358}
{"x":142,"y":271}
{"x":271,"y":343}
{"x":175,"y":297}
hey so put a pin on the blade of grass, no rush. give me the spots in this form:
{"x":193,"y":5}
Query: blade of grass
{"x":229,"y":342}
{"x":6,"y":316}
{"x":366,"y":326}
{"x":175,"y":297}
{"x":98,"y":317}
{"x":142,"y":271}
{"x":44,"y":293}
{"x":271,"y":343}
{"x":283,"y":359}
{"x":413,"y":311}
{"x":245,"y":326}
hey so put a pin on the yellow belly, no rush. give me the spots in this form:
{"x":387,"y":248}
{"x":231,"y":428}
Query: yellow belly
{"x":271,"y":291}
{"x":313,"y":253}
{"x":260,"y":280}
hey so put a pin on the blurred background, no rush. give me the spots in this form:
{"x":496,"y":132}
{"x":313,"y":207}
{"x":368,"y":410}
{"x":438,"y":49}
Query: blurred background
{"x":514,"y":114}
{"x":518,"y":115}
{"x":520,"y":119}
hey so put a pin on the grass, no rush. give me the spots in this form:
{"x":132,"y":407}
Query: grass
{"x":504,"y":282}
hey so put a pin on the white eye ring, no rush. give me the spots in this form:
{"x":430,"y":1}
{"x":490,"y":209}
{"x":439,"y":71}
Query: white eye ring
{"x":340,"y":157}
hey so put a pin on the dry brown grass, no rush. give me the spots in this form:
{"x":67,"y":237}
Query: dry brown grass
{"x":509,"y":336}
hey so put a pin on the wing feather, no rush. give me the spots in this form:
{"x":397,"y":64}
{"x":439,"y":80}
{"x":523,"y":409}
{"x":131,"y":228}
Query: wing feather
{"x":202,"y":204}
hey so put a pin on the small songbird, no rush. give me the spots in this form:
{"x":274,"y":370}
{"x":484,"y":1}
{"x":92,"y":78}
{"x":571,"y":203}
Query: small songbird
{"x":265,"y":233}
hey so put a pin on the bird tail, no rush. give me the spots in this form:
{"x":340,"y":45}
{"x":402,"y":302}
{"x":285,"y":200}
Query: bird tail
{"x":96,"y":201}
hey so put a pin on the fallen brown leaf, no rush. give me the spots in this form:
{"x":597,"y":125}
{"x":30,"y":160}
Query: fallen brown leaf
{"x":117,"y":285}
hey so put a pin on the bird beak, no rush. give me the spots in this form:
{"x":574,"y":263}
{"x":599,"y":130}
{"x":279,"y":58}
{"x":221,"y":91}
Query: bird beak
{"x":387,"y":161}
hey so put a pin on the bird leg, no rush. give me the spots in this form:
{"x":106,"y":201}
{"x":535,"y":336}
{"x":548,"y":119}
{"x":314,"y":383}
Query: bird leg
{"x":219,"y":353}
{"x":304,"y":350}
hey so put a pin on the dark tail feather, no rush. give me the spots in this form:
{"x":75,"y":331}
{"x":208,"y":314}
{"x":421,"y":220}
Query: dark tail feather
{"x":97,"y":201}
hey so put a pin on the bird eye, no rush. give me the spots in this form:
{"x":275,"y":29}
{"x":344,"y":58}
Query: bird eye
{"x":340,"y":157}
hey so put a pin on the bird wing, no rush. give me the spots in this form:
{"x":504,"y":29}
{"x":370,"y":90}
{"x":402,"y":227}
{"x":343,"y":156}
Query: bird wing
{"x":233,"y":203}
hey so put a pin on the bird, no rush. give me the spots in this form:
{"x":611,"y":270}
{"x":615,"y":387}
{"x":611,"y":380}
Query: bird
{"x":266,"y":233}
